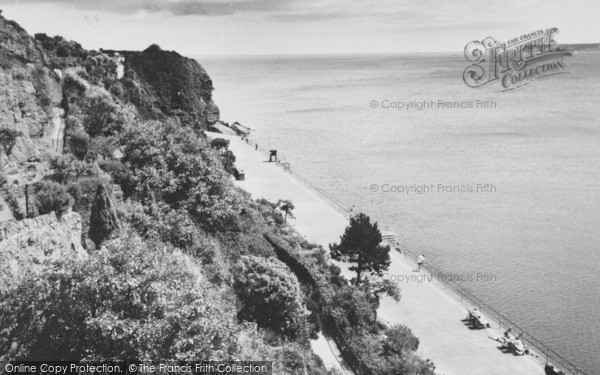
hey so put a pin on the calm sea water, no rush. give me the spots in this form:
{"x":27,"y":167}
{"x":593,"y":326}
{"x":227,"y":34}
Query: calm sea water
{"x":537,"y":233}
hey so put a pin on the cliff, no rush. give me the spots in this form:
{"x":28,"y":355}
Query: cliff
{"x":29,"y":91}
{"x":172,"y":84}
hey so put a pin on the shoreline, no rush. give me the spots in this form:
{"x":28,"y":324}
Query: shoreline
{"x":434,"y":312}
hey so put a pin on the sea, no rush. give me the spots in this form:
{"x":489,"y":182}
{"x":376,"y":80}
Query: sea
{"x":499,"y":189}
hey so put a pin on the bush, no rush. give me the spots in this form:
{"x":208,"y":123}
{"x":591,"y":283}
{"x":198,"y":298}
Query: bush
{"x":52,"y":196}
{"x":11,"y":195}
{"x":129,"y":301}
{"x":399,"y":339}
{"x":66,"y":168}
{"x":121,"y":176}
{"x":41,"y":82}
{"x":8,"y":138}
{"x":270,"y":295}
{"x":73,"y":86}
{"x":102,"y":117}
{"x":79,"y":143}
{"x":104,"y":146}
{"x":175,"y":164}
{"x":352,"y":310}
{"x":219,"y":143}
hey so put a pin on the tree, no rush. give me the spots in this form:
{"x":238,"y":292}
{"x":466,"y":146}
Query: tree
{"x":287,"y":207}
{"x":270,"y":295}
{"x":52,"y":196}
{"x":103,"y":218}
{"x":361,"y":244}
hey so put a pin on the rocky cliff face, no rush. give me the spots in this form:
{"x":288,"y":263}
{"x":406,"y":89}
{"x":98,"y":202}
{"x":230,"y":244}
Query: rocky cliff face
{"x":28,"y":92}
{"x":25,"y":244}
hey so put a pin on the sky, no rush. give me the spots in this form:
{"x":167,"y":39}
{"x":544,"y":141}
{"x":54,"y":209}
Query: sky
{"x":281,"y":27}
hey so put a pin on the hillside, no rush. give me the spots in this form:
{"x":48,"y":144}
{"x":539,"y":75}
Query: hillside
{"x":140,"y":245}
{"x":173,"y":84}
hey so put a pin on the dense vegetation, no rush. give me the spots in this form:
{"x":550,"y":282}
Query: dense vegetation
{"x":182,"y":265}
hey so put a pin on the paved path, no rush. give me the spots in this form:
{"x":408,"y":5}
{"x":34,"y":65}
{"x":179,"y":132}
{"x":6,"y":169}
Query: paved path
{"x":434,"y":317}
{"x":58,"y":129}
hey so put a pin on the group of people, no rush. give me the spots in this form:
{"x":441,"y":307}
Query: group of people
{"x":477,"y":320}
{"x":513,"y":343}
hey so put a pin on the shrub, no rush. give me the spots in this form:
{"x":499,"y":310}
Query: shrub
{"x":219,"y":143}
{"x":66,"y":168}
{"x":129,"y":301}
{"x":399,"y":339}
{"x":104,"y":146}
{"x":270,"y":295}
{"x":52,"y":196}
{"x":8,"y":138}
{"x":175,"y":164}
{"x":84,"y":192}
{"x":79,"y":143}
{"x":14,"y":203}
{"x":117,"y":90}
{"x":101,"y":116}
{"x":352,"y":310}
{"x":73,"y":86}
{"x":41,"y":83}
{"x":121,"y":175}
{"x":228,"y":161}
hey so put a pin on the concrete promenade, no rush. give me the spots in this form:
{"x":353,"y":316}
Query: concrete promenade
{"x":434,"y":317}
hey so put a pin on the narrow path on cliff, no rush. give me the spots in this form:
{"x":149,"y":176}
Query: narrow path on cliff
{"x":58,"y":129}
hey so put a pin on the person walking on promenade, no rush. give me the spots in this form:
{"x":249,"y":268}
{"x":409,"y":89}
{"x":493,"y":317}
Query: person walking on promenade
{"x":420,"y":261}
{"x":351,"y":214}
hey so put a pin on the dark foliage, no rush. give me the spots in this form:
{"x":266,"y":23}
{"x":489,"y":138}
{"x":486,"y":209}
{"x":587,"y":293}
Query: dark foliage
{"x":52,"y":196}
{"x":121,"y":176}
{"x":79,"y":144}
{"x":8,"y":138}
{"x":103,"y":218}
{"x":361,"y":245}
{"x":270,"y":295}
{"x":172,"y":83}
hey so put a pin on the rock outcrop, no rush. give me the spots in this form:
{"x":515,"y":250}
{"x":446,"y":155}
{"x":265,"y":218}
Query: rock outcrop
{"x":26,"y":244}
{"x":28,"y":91}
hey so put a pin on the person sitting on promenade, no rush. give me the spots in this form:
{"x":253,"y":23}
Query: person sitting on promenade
{"x":507,"y":332}
{"x":474,"y":315}
{"x":420,"y":261}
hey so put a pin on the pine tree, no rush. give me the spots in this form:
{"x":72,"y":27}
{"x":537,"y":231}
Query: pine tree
{"x":361,"y":244}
